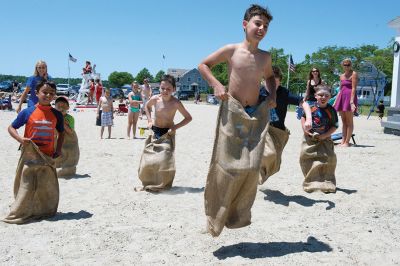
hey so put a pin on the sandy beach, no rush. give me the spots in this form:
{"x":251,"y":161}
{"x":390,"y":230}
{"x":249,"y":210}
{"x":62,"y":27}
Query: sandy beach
{"x":101,"y":220}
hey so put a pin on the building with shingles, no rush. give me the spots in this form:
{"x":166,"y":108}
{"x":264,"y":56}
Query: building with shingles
{"x":188,"y":80}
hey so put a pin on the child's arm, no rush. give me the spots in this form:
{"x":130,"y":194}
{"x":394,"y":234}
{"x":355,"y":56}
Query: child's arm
{"x":221,"y":55}
{"x":110,"y":102}
{"x":147,"y":109}
{"x":186,"y":117}
{"x":306,"y":132}
{"x":327,"y":134}
{"x":14,"y":133}
{"x":270,"y":82}
{"x":308,"y":120}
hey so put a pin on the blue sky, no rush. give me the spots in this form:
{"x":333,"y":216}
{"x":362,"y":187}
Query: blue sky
{"x":129,"y":35}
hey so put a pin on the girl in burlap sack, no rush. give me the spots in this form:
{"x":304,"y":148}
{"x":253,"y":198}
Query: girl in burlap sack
{"x":157,"y":165}
{"x":317,"y":157}
{"x":69,"y":158}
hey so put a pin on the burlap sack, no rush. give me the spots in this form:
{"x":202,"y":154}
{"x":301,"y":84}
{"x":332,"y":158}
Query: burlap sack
{"x":69,"y":156}
{"x":235,"y":166}
{"x":275,"y":141}
{"x":36,"y":188}
{"x":318,"y":163}
{"x":157,"y":165}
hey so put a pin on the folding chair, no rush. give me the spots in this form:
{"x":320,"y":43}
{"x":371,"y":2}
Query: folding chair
{"x":339,"y":136}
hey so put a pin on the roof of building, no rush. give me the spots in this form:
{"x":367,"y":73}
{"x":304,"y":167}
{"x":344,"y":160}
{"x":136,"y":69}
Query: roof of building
{"x":177,"y":72}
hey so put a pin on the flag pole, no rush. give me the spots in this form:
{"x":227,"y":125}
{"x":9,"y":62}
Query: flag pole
{"x":69,"y":72}
{"x":288,"y":72}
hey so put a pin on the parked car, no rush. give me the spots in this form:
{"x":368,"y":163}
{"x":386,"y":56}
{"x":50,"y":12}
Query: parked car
{"x":74,"y":89}
{"x":6,"y":86}
{"x":212,"y":99}
{"x":183,"y":96}
{"x":127,"y":91}
{"x":155,"y":91}
{"x":62,"y":89}
{"x":117,"y":93}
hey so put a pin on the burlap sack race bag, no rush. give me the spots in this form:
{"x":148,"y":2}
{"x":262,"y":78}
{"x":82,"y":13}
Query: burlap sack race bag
{"x":36,"y":190}
{"x":69,"y":156}
{"x":275,"y":141}
{"x":318,"y":163}
{"x":234,"y":171}
{"x":157,"y":165}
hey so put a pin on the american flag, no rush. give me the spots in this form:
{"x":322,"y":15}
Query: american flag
{"x":292,"y":66}
{"x":72,"y":58}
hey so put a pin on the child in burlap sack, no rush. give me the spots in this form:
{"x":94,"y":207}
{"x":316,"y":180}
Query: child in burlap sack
{"x":157,"y":164}
{"x":241,"y":124}
{"x":277,"y":134}
{"x":36,"y":188}
{"x":317,"y":157}
{"x":69,"y":158}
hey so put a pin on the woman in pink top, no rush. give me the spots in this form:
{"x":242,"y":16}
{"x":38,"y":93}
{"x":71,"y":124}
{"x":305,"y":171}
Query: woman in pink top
{"x":346,"y":101}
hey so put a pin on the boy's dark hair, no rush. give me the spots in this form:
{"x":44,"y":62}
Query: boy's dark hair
{"x":170,"y":79}
{"x":97,"y":80}
{"x":257,"y":10}
{"x":277,"y":72}
{"x":62,"y":99}
{"x":88,"y":62}
{"x":51,"y":84}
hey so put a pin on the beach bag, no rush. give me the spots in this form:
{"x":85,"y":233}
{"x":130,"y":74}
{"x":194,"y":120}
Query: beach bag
{"x":36,"y":190}
{"x":157,"y":164}
{"x":318,"y":164}
{"x":69,"y":156}
{"x":275,"y":141}
{"x":234,"y":171}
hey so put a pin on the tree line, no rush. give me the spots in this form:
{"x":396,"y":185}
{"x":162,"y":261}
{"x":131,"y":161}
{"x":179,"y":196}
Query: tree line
{"x":328,"y":60}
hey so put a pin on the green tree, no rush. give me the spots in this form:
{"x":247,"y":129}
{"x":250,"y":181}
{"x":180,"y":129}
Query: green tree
{"x":144,"y":73}
{"x":118,"y":79}
{"x":159,"y":76}
{"x":220,"y":72}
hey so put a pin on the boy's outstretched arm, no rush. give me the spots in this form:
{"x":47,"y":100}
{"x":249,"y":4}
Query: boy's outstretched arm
{"x":14,"y":133}
{"x":221,"y":55}
{"x":186,"y":117}
{"x":270,"y":82}
{"x":147,"y":109}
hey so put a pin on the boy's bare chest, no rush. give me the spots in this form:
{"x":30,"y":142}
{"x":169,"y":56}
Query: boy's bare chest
{"x":247,"y":63}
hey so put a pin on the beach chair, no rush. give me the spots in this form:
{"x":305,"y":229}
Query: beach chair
{"x":122,"y":109}
{"x":338,"y":136}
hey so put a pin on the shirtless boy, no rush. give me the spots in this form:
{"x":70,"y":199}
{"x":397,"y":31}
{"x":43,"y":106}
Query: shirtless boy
{"x":239,"y":143}
{"x":107,"y":115}
{"x":165,"y":106}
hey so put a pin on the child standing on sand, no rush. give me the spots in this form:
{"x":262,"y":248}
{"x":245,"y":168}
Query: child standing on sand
{"x":36,"y":188}
{"x":105,"y":104}
{"x":241,"y":125}
{"x":135,"y":99}
{"x":157,"y":165}
{"x":70,"y":150}
{"x":317,"y":157}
